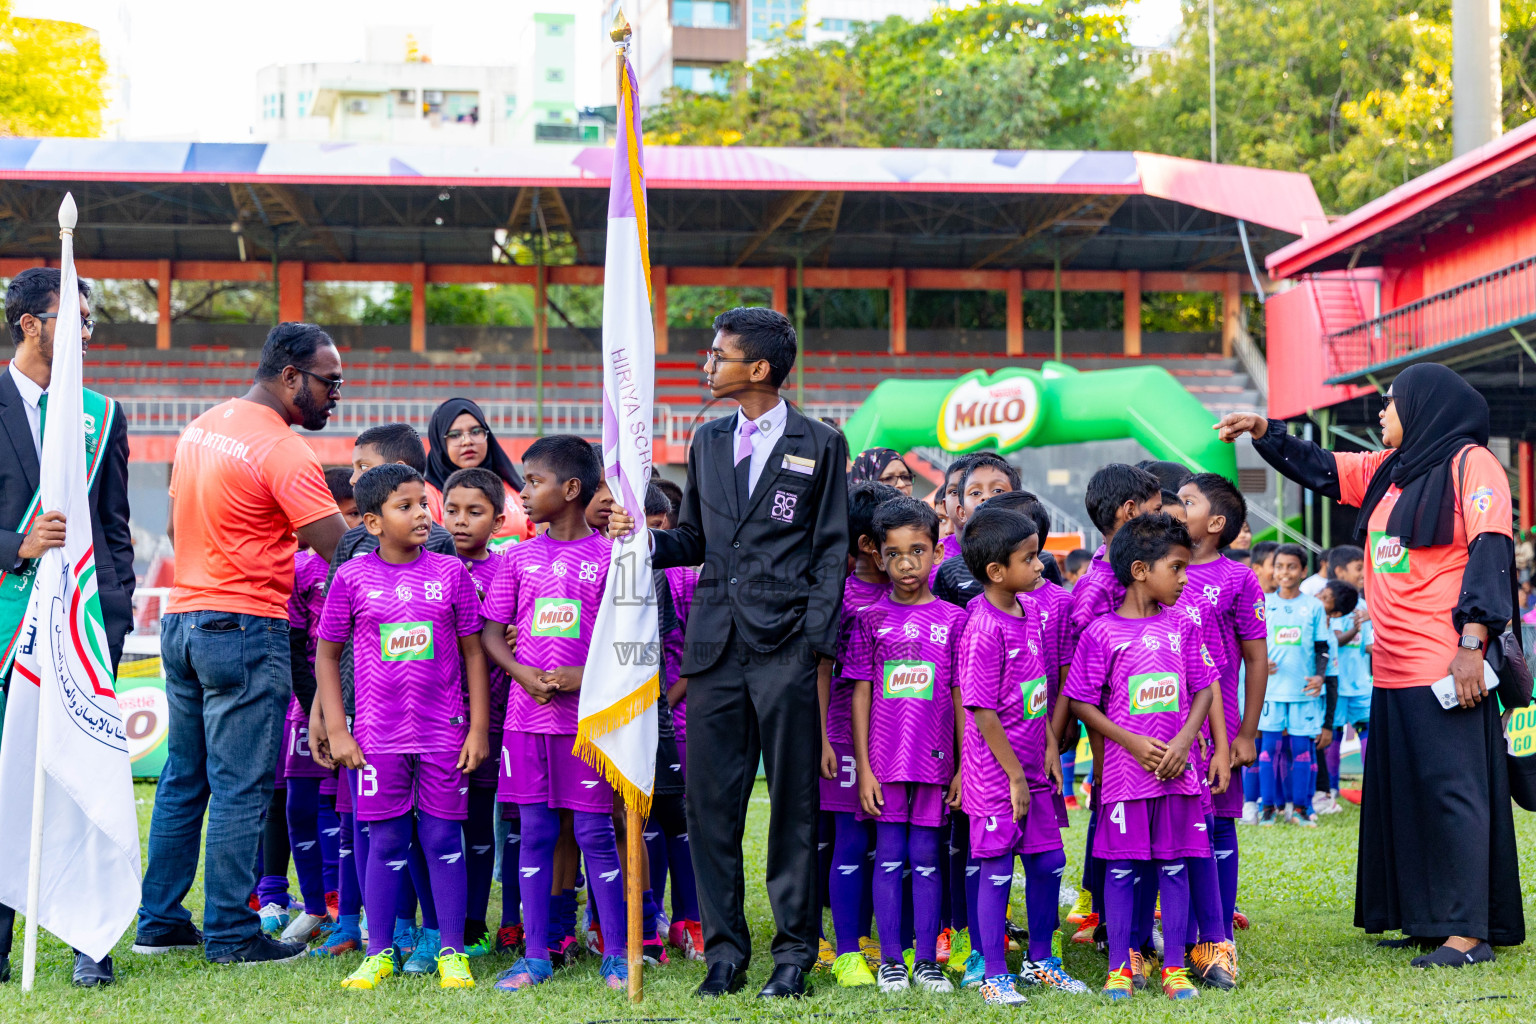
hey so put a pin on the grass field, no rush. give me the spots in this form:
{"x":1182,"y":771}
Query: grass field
{"x":1302,"y":961}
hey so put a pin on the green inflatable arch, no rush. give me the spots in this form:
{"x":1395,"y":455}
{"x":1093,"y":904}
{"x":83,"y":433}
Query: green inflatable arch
{"x":1017,"y":408}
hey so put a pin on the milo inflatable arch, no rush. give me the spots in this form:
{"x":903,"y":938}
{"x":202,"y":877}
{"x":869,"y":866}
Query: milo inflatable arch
{"x":1018,"y":408}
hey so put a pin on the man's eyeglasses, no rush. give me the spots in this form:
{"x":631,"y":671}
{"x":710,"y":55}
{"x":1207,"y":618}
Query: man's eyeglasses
{"x":332,"y":384}
{"x":87,"y":325}
{"x":473,"y":433}
{"x":717,"y":358}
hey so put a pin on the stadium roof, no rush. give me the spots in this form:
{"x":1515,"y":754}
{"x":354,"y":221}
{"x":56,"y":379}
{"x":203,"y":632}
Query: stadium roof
{"x":735,"y":206}
{"x":1418,"y":208}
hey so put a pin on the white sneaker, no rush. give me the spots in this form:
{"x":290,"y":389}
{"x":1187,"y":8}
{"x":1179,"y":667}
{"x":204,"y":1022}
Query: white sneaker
{"x":273,"y":919}
{"x":303,"y":928}
{"x":1250,"y":813}
{"x":1157,"y":937}
{"x":892,"y":977}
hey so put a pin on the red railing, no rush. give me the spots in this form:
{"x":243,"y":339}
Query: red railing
{"x":1482,"y":306}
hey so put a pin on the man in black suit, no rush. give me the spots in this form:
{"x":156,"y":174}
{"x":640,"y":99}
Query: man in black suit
{"x":32,"y":308}
{"x":766,"y":513}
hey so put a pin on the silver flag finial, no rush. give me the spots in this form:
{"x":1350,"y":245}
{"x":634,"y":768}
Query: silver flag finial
{"x":68,"y":214}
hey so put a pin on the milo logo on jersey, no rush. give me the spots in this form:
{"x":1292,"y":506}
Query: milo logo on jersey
{"x":1388,"y":553}
{"x":1288,"y":635}
{"x":1034,"y":691}
{"x":557,"y":616}
{"x":406,"y":641}
{"x":1152,"y":692}
{"x":909,"y":679}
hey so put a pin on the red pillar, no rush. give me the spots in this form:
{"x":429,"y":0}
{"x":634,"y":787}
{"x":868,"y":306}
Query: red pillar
{"x":781,"y":289}
{"x":418,"y":307}
{"x":1231,"y":313}
{"x":899,"y":311}
{"x":163,"y":322}
{"x":1132,"y":301}
{"x":1015,"y":315}
{"x":290,"y":291}
{"x":659,"y":307}
{"x":1527,"y":487}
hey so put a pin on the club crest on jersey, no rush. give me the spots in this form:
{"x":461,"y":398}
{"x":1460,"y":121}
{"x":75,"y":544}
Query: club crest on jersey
{"x":1388,"y":553}
{"x":1482,"y":499}
{"x":406,"y":641}
{"x":783,"y":506}
{"x":1288,"y":635}
{"x":1205,"y":656}
{"x":1153,"y":692}
{"x":1212,"y":593}
{"x":1034,"y":691}
{"x":1193,"y":613}
{"x":557,"y":616}
{"x":1258,"y":610}
{"x":1173,"y":642}
{"x":913,"y":679}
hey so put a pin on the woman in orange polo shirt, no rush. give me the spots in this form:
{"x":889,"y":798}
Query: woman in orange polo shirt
{"x":459,"y":438}
{"x":1437,"y":841}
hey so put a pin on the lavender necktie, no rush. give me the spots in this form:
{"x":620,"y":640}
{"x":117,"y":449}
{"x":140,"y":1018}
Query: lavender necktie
{"x":744,"y":442}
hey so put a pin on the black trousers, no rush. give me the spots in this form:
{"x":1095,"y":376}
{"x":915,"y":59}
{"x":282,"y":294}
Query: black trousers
{"x":750,"y":706}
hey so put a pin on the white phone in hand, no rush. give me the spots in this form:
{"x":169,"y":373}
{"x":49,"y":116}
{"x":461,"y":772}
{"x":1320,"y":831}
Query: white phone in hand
{"x":1445,"y":689}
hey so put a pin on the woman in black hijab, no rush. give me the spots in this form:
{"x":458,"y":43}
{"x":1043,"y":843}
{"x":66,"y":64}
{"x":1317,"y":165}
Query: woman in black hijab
{"x":459,"y":438}
{"x":883,"y":466}
{"x":1437,"y":852}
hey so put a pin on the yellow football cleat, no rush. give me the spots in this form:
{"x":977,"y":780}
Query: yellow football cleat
{"x":372,"y":971}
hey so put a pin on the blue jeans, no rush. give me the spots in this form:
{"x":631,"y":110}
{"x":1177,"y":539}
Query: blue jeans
{"x":227,"y":680}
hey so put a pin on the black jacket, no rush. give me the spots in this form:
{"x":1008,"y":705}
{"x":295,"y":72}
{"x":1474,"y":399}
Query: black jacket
{"x":109,"y":509}
{"x":775,"y":568}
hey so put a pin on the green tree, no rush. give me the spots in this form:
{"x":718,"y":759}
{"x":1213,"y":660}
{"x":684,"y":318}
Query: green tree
{"x":1000,"y":75}
{"x":52,"y":77}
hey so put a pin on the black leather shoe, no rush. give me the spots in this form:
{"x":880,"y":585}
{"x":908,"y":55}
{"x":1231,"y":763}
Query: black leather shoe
{"x":90,"y":974}
{"x":786,"y":982}
{"x":724,"y":978}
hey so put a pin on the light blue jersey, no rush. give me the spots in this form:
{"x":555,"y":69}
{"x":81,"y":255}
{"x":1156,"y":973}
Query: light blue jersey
{"x":1354,"y":663}
{"x":1296,"y":626}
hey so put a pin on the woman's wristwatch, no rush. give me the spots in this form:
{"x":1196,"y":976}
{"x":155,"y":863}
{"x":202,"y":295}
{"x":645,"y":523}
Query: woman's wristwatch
{"x":1471,"y":643}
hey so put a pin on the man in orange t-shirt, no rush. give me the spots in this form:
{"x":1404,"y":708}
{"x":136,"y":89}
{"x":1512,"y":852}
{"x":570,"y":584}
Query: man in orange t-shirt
{"x":242,"y":487}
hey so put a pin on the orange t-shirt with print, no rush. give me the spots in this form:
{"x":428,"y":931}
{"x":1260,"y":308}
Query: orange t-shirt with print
{"x":1413,"y":591}
{"x":242,"y":483}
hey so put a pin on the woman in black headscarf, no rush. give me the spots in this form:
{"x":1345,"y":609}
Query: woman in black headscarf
{"x":1437,"y":841}
{"x":459,"y":438}
{"x":884,"y":466}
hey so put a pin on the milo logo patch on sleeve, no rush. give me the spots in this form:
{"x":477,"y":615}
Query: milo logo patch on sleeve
{"x":909,"y":679}
{"x":406,"y":641}
{"x":557,"y":616}
{"x":1035,"y":692}
{"x":1388,"y":553}
{"x":1153,"y":692}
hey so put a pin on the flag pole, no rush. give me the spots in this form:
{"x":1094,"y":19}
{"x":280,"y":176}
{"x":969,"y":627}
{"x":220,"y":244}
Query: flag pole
{"x":68,"y":217}
{"x":634,"y":888}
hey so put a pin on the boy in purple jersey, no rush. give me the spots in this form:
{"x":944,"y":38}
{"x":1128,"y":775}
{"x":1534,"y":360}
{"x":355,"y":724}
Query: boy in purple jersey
{"x":303,"y":775}
{"x":1142,"y":679}
{"x":904,"y":736}
{"x":549,"y":588}
{"x":1115,"y":494}
{"x":949,"y":547}
{"x":473,"y":500}
{"x":414,"y":620}
{"x":1009,"y":764}
{"x":1230,"y":605}
{"x":847,"y":872}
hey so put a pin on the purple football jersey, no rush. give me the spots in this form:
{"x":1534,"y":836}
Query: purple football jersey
{"x":1225,"y":602}
{"x":949,"y":547}
{"x":684,"y":580}
{"x":550,"y":590}
{"x":1151,"y":669}
{"x":304,"y":608}
{"x":857,"y":595}
{"x":482,"y":573}
{"x":1002,"y":667}
{"x":405,"y":622}
{"x":1096,"y":593}
{"x":1055,"y":605}
{"x":910,"y":664}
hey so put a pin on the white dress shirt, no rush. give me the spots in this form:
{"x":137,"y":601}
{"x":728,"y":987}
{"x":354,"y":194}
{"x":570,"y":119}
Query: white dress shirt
{"x":769,"y":426}
{"x":31,"y":399}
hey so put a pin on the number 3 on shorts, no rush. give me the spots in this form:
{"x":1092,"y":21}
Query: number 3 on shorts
{"x":1118,"y":816}
{"x":368,"y":782}
{"x":850,"y":772}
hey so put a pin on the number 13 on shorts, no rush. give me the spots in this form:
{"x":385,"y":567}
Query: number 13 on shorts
{"x":367,"y":781}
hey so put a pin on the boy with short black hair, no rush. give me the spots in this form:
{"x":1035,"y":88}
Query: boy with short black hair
{"x":1010,"y":764}
{"x":1224,"y":602}
{"x":417,"y":618}
{"x":550,"y":587}
{"x":1262,"y":561}
{"x":339,"y":480}
{"x":865,"y":586}
{"x":950,"y":498}
{"x":904,"y":736}
{"x":1077,"y":563}
{"x":473,"y":501}
{"x":1142,"y":678}
{"x":1294,"y":702}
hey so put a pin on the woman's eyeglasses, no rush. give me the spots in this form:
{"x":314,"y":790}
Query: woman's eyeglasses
{"x":896,"y":479}
{"x":473,"y":433}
